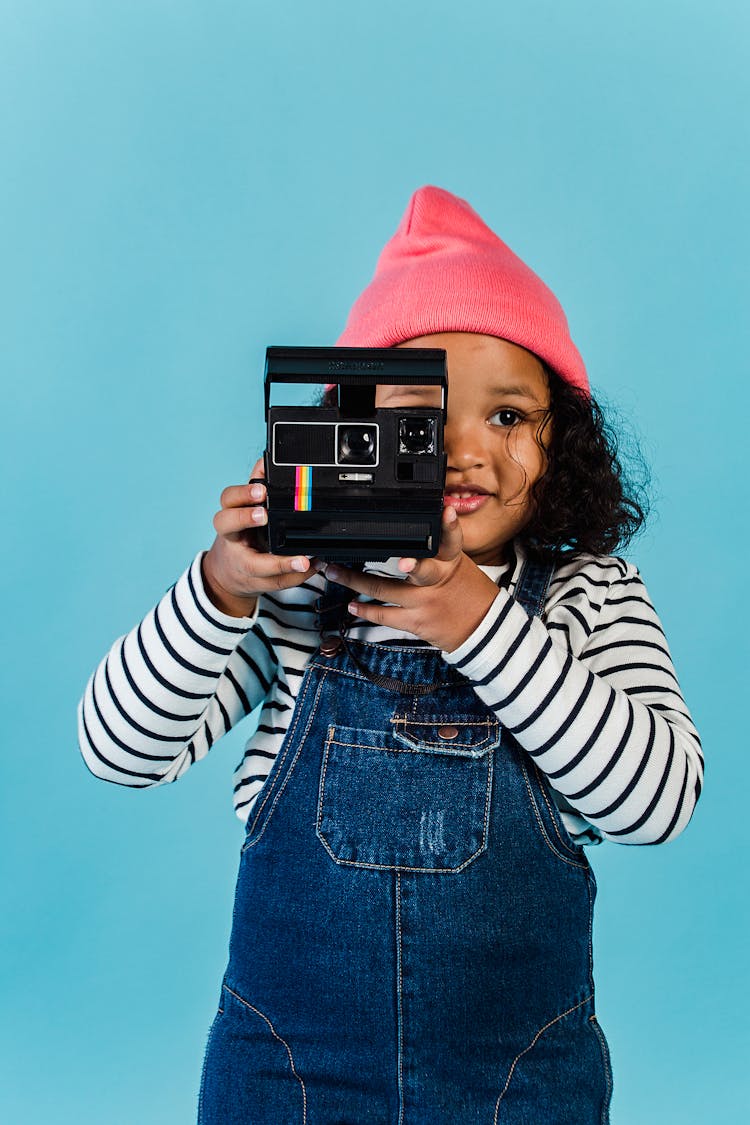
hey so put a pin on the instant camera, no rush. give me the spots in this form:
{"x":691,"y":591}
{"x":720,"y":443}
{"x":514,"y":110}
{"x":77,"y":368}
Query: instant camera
{"x":354,"y":481}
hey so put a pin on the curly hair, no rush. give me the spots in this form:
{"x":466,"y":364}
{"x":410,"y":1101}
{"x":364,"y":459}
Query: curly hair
{"x":584,"y":501}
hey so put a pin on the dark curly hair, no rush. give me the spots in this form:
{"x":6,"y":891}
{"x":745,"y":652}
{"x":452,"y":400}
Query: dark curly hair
{"x":585,"y":501}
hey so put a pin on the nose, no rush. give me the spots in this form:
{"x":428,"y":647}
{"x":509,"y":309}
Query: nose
{"x":464,"y":444}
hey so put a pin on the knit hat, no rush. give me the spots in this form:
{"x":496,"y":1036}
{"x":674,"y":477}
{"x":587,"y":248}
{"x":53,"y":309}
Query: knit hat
{"x":444,"y":270}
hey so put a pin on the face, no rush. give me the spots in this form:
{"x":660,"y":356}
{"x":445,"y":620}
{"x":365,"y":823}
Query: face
{"x":498,"y":396}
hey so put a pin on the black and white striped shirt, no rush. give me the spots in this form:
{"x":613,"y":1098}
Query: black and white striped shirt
{"x":588,"y":690}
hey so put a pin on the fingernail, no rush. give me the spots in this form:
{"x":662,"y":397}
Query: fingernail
{"x":300,"y":564}
{"x":333,"y":573}
{"x":259,"y":515}
{"x":353,"y":608}
{"x":256,"y":491}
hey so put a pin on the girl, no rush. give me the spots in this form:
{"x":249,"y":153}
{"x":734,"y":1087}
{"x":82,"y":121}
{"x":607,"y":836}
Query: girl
{"x":412,"y":927}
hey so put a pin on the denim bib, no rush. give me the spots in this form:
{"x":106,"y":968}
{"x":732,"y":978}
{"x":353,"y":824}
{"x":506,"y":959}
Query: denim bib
{"x":411,"y":941}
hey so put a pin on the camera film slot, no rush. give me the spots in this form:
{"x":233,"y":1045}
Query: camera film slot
{"x":355,"y":539}
{"x":303,"y":488}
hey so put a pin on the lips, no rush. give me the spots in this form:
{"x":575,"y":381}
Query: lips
{"x":466,"y":499}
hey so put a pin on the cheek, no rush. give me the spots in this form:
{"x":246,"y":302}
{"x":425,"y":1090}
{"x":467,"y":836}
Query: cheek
{"x":523,"y":461}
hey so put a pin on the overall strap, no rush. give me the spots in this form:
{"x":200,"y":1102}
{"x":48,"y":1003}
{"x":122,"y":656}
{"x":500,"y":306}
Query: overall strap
{"x":532,"y":587}
{"x":331,"y":614}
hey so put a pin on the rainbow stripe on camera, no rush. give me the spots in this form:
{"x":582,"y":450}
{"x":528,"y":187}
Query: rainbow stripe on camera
{"x":303,"y":488}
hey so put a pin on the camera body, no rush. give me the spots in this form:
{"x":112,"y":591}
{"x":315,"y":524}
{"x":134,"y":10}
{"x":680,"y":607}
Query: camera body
{"x":354,"y":481}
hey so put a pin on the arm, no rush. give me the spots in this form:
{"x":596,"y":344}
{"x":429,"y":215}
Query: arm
{"x":591,"y":693}
{"x":166,"y":691}
{"x":593,"y":697}
{"x":196,"y":664}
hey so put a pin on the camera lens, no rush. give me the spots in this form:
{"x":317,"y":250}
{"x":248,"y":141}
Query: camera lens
{"x":357,"y":445}
{"x":416,"y":435}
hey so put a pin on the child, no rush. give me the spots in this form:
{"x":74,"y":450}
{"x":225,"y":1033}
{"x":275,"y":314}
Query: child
{"x":412,"y":925}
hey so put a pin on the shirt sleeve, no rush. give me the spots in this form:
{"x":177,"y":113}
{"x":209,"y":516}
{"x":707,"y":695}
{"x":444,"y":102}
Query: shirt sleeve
{"x":592,"y":695}
{"x":165,"y":692}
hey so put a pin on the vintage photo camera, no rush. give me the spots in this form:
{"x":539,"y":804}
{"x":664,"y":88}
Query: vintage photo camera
{"x":354,"y":481}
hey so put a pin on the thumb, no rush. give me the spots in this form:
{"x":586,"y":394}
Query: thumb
{"x":451,"y":536}
{"x":427,"y":572}
{"x":258,"y":470}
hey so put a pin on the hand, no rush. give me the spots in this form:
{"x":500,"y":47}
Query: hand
{"x":236,"y":568}
{"x":441,"y":601}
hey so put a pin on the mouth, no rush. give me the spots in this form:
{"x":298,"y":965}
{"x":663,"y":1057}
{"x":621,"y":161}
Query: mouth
{"x":465,"y":500}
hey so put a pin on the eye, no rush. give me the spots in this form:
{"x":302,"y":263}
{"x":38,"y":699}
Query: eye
{"x":506,"y":417}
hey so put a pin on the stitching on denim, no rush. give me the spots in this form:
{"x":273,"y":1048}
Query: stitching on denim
{"x":366,"y":680}
{"x":410,"y":736}
{"x":399,"y":994}
{"x":589,"y":892}
{"x":542,"y":829}
{"x":488,"y":797}
{"x":439,"y":719}
{"x":321,"y":794}
{"x":545,"y":836}
{"x":553,"y":818}
{"x":340,"y":672}
{"x":446,"y":748}
{"x":543,"y":789}
{"x":290,"y":771}
{"x":607,"y":1068}
{"x":418,"y":746}
{"x":397,"y":866}
{"x":287,"y":748}
{"x":374,"y":646}
{"x":276,"y":1035}
{"x":520,"y":1054}
{"x":413,"y":749}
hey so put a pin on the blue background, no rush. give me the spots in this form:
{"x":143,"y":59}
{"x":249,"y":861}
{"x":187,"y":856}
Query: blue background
{"x":184,"y":183}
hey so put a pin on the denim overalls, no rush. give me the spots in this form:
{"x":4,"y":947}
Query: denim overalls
{"x":411,"y":941}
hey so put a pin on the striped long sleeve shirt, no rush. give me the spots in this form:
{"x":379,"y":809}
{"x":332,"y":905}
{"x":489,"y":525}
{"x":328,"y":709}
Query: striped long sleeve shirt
{"x":588,"y":690}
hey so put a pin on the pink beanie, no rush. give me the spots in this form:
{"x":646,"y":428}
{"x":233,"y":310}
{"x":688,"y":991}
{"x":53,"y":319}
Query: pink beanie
{"x":444,"y":270}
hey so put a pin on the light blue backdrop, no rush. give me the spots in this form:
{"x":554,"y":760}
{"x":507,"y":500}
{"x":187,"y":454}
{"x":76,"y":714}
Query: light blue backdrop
{"x":183,"y":183}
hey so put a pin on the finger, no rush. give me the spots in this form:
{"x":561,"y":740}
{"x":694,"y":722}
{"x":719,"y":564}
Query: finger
{"x":252,"y":566}
{"x":285,"y":568}
{"x":371,"y":585}
{"x":390,"y":616}
{"x":231,"y":521}
{"x":451,"y":536}
{"x":428,"y":572}
{"x":289,"y":579}
{"x":242,"y":495}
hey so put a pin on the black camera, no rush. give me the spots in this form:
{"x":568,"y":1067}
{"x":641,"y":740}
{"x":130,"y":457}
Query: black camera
{"x":353,"y":480}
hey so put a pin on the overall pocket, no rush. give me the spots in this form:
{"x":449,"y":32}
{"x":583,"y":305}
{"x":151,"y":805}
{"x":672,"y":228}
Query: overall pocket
{"x":415,"y":798}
